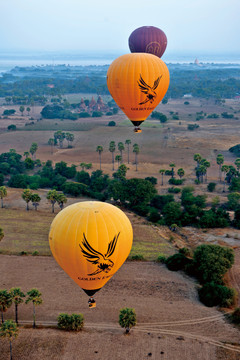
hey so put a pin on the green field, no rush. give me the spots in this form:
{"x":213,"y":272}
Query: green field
{"x":27,"y":231}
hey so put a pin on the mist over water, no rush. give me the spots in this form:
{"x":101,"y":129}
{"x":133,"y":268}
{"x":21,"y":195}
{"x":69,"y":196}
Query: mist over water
{"x":9,"y":60}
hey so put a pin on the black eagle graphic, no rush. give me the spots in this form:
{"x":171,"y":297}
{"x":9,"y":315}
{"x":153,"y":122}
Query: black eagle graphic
{"x":148,"y":90}
{"x":104,"y":264}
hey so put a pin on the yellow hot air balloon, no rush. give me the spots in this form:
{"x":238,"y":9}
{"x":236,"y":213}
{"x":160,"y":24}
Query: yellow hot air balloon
{"x":137,"y":82}
{"x":90,"y":240}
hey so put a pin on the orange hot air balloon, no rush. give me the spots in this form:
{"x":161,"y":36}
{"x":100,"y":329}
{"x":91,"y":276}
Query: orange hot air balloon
{"x":91,"y":240}
{"x":137,"y":82}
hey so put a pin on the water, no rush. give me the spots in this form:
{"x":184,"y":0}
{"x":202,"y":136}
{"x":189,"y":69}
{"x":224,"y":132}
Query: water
{"x":9,"y":60}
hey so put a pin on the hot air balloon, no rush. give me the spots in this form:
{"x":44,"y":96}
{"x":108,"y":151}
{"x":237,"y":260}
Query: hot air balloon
{"x":90,"y":240}
{"x":137,"y":82}
{"x":148,"y":39}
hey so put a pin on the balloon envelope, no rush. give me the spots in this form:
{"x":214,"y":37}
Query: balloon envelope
{"x":90,"y":240}
{"x":137,"y":82}
{"x":148,"y":39}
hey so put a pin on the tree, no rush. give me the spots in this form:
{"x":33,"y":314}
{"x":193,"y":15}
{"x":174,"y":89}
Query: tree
{"x":118,"y":158}
{"x":162,"y":172}
{"x":121,"y":149}
{"x":128,"y":142}
{"x":5,"y":301}
{"x":35,"y":199}
{"x":17,"y":298}
{"x":127,"y":318}
{"x":26,"y":154}
{"x":33,"y":149}
{"x":61,"y":200}
{"x":237,"y":163}
{"x":212,"y":262}
{"x":28,"y":110}
{"x":172,"y":213}
{"x":224,"y":169}
{"x":52,"y":196}
{"x":9,"y":330}
{"x":1,"y":234}
{"x":172,"y":165}
{"x":3,"y":193}
{"x":197,"y":157}
{"x":220,"y":161}
{"x":136,"y":150}
{"x":100,"y":150}
{"x":112,"y":148}
{"x":51,"y":143}
{"x":34,"y":296}
{"x":12,"y":127}
{"x":60,"y":136}
{"x":180,"y":172}
{"x":69,"y":138}
{"x":21,"y":109}
{"x":27,"y":196}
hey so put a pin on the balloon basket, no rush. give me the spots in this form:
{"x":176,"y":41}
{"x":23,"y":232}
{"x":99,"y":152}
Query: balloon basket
{"x":91,"y":303}
{"x":137,"y":130}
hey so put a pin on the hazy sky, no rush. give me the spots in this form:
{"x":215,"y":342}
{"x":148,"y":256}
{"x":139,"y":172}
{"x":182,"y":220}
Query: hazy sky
{"x":105,"y":25}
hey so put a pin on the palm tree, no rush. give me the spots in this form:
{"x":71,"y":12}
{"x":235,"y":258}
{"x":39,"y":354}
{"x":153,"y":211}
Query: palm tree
{"x":17,"y":298}
{"x":28,"y":110}
{"x":172,"y":165}
{"x":197,"y":157}
{"x":21,"y":109}
{"x":207,"y":165}
{"x":83,"y":165}
{"x":112,"y":148}
{"x":128,"y":142}
{"x":27,"y":196}
{"x":180,"y":172}
{"x":118,"y":158}
{"x":61,"y":200}
{"x":136,"y":150}
{"x":162,"y":172}
{"x":3,"y":193}
{"x":5,"y":301}
{"x":220,"y":161}
{"x":127,"y":319}
{"x":100,"y":150}
{"x":35,"y":200}
{"x":224,"y":169}
{"x":9,"y":330}
{"x":121,"y":148}
{"x":34,"y":296}
{"x":51,"y":143}
{"x":26,"y":154}
{"x":52,"y":196}
{"x":69,"y":138}
{"x":33,"y":149}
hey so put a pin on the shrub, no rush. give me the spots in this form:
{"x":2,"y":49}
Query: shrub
{"x":97,"y":114}
{"x":111,"y":123}
{"x":161,"y":259}
{"x":35,"y":253}
{"x":174,"y":190}
{"x":72,"y":322}
{"x":211,"y":186}
{"x":192,"y":127}
{"x":12,"y":127}
{"x":84,"y":115}
{"x":173,"y":181}
{"x":152,"y":179}
{"x":138,"y":257}
{"x":185,"y":251}
{"x":23,"y":253}
{"x":177,"y":262}
{"x":235,"y":316}
{"x":212,"y":294}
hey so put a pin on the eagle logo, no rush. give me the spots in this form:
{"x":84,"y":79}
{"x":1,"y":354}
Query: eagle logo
{"x":104,"y":264}
{"x":148,"y":90}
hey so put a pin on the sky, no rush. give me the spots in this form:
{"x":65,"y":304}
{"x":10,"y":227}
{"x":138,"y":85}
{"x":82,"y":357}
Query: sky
{"x":210,"y":26}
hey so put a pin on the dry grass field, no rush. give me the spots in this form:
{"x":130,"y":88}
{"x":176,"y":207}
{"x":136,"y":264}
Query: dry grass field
{"x":171,"y":322}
